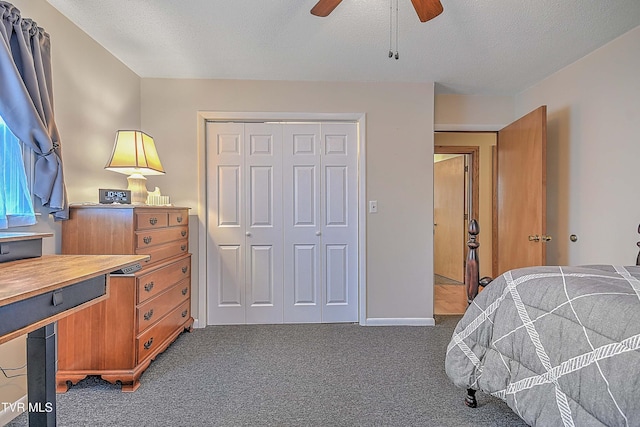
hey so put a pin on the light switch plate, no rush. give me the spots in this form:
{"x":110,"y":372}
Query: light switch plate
{"x":373,"y":206}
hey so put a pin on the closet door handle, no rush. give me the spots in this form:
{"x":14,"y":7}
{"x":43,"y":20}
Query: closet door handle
{"x":248,"y":234}
{"x":318,"y":233}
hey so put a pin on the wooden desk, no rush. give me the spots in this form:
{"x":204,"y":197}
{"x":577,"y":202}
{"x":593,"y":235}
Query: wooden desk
{"x":36,"y":292}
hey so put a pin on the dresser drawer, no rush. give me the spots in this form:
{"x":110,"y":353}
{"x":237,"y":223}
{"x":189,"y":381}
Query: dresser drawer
{"x":178,"y":218}
{"x":157,"y":237}
{"x":164,"y":251}
{"x":148,"y":341}
{"x":150,"y":220}
{"x":149,"y":312}
{"x":156,"y":281}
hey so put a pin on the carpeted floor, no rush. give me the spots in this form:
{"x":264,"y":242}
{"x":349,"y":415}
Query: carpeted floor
{"x":290,"y":375}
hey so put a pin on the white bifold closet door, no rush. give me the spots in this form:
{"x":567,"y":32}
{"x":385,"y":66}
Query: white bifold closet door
{"x":244,"y":197}
{"x":282,"y":223}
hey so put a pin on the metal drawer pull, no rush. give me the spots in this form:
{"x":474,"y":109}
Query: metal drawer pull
{"x":146,"y":239}
{"x":183,"y":247}
{"x":184,"y":313}
{"x":183,"y":233}
{"x":184,"y":291}
{"x":153,"y":221}
{"x":184,"y":269}
{"x":148,"y":314}
{"x":148,"y":286}
{"x":179,"y":219}
{"x":148,"y":344}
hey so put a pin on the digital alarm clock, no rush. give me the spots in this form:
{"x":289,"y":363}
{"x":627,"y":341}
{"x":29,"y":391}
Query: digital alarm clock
{"x":114,"y":196}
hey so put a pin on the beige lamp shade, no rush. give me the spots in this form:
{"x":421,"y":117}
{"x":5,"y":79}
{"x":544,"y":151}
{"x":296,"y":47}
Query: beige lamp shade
{"x":134,"y":154}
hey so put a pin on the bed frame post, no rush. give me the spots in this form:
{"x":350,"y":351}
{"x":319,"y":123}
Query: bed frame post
{"x":638,"y":258}
{"x":472,"y":280}
{"x":472,"y":274}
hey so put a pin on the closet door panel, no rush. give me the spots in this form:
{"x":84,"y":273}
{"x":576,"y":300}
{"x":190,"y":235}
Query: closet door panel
{"x":302,"y":225}
{"x":264,"y":269}
{"x":339,"y":201}
{"x":226,"y":223}
{"x":305,"y":283}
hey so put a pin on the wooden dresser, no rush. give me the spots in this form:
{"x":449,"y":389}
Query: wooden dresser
{"x":117,"y":339}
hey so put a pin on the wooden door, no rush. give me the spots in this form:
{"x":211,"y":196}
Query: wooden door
{"x":521,"y":192}
{"x":449,"y":223}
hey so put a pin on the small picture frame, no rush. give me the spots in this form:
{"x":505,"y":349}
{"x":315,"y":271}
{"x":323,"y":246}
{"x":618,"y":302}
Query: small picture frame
{"x":109,"y":196}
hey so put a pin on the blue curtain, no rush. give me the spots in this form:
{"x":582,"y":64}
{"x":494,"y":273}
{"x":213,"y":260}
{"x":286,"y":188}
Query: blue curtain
{"x":26,"y":103}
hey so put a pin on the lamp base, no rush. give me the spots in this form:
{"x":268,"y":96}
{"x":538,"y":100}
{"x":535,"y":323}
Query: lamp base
{"x":138,"y":187}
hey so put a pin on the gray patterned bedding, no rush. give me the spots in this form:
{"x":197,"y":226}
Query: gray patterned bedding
{"x":560,"y":345}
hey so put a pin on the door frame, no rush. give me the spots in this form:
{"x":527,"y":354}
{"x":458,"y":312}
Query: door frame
{"x":474,"y":175}
{"x":225,"y":116}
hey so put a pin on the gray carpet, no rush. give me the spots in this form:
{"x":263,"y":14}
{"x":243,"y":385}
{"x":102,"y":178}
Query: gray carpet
{"x":290,"y":375}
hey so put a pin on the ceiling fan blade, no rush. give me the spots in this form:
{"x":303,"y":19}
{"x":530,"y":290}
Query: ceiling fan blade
{"x":324,"y":7}
{"x":427,"y":9}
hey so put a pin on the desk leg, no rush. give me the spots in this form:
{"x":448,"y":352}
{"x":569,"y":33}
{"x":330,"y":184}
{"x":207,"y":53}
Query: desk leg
{"x":41,"y":376}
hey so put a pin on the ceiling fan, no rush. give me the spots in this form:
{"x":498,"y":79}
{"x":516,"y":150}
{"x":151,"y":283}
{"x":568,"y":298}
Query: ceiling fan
{"x":426,"y":9}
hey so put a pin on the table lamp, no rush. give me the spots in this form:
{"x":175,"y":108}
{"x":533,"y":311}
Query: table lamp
{"x":134,"y":154}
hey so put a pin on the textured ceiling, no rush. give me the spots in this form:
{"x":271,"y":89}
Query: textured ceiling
{"x":495,"y":47}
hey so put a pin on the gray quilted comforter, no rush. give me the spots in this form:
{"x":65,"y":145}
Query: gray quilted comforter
{"x":560,"y":345}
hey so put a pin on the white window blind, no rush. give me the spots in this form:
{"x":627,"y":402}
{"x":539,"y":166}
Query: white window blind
{"x":16,"y":203}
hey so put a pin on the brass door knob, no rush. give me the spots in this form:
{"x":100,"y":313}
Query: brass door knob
{"x":535,"y":238}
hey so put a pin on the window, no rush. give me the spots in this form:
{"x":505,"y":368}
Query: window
{"x":16,"y":204}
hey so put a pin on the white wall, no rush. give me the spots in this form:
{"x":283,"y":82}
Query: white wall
{"x":399,"y":165}
{"x":593,"y":147}
{"x":472,"y":113}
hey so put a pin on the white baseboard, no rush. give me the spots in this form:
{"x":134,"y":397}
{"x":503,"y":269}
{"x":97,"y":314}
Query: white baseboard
{"x":381,"y":321}
{"x":196,"y":324}
{"x":402,"y":321}
{"x":8,"y":411}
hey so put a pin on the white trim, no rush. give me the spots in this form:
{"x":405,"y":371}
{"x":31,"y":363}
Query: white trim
{"x":283,"y":117}
{"x":402,"y":321}
{"x":196,"y":324}
{"x":362,"y":220}
{"x":466,"y":128}
{"x":7,"y":415}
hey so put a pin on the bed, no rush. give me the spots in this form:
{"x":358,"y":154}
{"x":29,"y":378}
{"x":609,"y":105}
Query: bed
{"x":560,"y":345}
